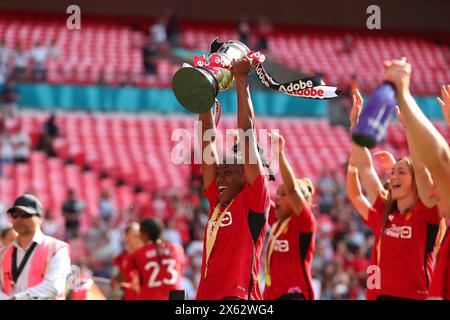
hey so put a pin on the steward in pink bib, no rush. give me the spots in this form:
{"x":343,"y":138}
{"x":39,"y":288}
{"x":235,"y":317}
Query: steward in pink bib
{"x":34,"y":266}
{"x":39,"y":262}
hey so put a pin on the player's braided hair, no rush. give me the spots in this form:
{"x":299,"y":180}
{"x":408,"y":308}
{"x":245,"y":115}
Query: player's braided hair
{"x":153,"y":227}
{"x":265,"y":163}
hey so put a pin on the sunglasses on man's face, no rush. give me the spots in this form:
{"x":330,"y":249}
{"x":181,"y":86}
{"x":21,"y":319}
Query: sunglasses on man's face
{"x":20,"y":214}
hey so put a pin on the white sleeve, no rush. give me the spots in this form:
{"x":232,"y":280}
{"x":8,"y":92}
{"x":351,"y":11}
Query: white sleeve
{"x":54,"y":281}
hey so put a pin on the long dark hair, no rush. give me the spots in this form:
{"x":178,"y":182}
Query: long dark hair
{"x":153,"y":227}
{"x":264,"y":161}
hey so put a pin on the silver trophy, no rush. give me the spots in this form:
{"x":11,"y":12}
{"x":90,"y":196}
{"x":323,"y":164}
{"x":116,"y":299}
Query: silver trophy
{"x":197,"y":87}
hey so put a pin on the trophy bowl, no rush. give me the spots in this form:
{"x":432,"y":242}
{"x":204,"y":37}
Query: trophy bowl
{"x":197,"y":87}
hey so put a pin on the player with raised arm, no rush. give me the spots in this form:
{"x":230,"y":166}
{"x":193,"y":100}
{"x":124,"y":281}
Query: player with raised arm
{"x":430,"y":145}
{"x":292,"y":236}
{"x":405,"y":221}
{"x":440,"y":287}
{"x":238,"y":195}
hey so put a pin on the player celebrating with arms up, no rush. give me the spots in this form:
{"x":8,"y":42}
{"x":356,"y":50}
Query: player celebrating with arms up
{"x":239,"y":202}
{"x":292,"y":235}
{"x":405,"y":221}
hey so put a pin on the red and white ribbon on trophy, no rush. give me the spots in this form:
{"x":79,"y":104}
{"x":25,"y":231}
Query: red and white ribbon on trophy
{"x":311,"y":87}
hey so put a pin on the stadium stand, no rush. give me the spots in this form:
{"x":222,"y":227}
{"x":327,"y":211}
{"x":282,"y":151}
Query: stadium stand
{"x":111,"y":52}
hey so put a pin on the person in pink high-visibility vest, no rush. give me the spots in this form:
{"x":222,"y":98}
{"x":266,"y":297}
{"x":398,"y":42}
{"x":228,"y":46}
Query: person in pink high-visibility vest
{"x":34,"y":266}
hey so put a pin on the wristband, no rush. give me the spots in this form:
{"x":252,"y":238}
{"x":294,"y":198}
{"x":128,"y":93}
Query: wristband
{"x":352,"y":169}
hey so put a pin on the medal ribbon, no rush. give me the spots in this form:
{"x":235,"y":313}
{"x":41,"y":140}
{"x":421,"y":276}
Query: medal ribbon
{"x":272,"y":238}
{"x":212,"y":230}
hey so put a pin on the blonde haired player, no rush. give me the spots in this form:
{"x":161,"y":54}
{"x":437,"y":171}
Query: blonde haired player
{"x":291,"y":240}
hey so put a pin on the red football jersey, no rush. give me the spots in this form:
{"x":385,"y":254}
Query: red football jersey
{"x":160,"y":269}
{"x":440,"y":285}
{"x":407,"y":249}
{"x":290,"y":264}
{"x":122,"y":262}
{"x":233,"y":265}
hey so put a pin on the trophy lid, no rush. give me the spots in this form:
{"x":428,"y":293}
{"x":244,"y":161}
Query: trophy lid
{"x":195,"y":89}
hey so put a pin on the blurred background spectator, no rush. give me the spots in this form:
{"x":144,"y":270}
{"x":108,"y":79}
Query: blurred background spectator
{"x":149,"y":58}
{"x":264,"y":31}
{"x":21,"y":144}
{"x":9,"y":97}
{"x":53,"y":49}
{"x":108,"y":210}
{"x":39,"y":54}
{"x":49,"y":133}
{"x":21,"y":58}
{"x":243,"y":30}
{"x":328,"y":188}
{"x":52,"y":225}
{"x":171,"y":233}
{"x":4,"y":52}
{"x":172,"y":28}
{"x":72,"y":210}
{"x":347,"y":44}
{"x":6,"y":148}
{"x":158,"y":33}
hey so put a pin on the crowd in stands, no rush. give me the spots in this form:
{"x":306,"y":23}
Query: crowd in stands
{"x":140,"y":54}
{"x":15,"y":143}
{"x":163,"y":35}
{"x":21,"y":64}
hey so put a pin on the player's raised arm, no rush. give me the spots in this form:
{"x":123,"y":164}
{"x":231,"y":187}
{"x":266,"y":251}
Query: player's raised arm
{"x":252,"y":161}
{"x":210,"y":159}
{"x":354,"y":191}
{"x":362,"y":158}
{"x":445,"y":102}
{"x":424,"y":181}
{"x":295,"y":196}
